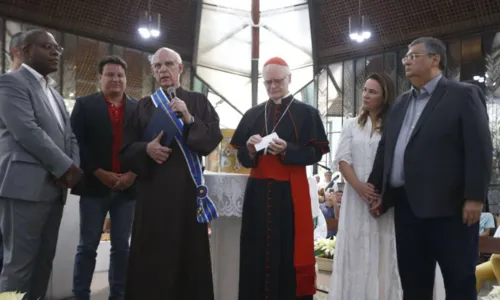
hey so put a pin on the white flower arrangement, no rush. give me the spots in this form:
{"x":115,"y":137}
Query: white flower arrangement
{"x":325,"y":247}
{"x":12,"y":296}
{"x":493,"y":295}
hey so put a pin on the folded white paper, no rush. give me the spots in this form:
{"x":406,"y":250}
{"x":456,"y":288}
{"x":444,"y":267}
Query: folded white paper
{"x":265,"y":141}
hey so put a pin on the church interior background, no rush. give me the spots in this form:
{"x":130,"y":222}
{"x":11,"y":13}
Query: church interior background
{"x":214,"y":38}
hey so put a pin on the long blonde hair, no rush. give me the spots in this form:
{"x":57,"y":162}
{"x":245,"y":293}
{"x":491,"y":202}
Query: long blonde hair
{"x":389,"y":95}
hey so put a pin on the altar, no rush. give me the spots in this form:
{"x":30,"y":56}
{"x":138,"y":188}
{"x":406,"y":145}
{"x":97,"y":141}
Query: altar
{"x":226,"y":191}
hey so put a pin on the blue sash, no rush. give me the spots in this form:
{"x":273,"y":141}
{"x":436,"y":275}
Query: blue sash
{"x":206,"y":210}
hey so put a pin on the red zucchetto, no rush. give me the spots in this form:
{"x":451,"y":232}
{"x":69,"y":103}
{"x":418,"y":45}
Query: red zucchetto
{"x":276,"y":61}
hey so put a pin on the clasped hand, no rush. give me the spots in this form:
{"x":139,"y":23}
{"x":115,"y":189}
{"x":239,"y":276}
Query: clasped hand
{"x":70,"y":178}
{"x":471,"y":212}
{"x":156,"y":151}
{"x":275,"y":147}
{"x":370,"y":195}
{"x":367,"y":192}
{"x":115,"y":181}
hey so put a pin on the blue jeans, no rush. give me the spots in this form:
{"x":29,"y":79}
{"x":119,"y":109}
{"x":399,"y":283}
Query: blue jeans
{"x":93,"y":211}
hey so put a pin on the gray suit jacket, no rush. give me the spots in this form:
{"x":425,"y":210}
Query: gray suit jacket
{"x":34,"y":149}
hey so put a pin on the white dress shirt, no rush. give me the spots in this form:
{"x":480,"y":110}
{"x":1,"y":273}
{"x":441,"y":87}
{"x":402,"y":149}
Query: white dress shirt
{"x":45,"y":84}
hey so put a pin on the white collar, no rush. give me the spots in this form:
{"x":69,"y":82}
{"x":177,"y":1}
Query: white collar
{"x":279,"y":100}
{"x":47,"y":81}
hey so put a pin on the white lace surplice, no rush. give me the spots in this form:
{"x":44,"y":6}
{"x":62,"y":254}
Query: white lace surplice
{"x":365,"y":261}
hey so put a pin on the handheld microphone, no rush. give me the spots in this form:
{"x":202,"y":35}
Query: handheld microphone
{"x":171,"y":93}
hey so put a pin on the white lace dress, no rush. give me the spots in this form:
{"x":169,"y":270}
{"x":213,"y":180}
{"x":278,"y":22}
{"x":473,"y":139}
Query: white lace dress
{"x":365,"y":261}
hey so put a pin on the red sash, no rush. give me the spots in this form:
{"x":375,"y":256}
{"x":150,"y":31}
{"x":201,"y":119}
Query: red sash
{"x":270,"y":167}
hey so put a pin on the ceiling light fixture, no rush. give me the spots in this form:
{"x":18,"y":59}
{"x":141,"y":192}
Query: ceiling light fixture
{"x":147,"y":27}
{"x":359,"y":27}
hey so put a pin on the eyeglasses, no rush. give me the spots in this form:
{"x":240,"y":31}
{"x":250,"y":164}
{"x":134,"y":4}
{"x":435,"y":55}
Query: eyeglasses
{"x":276,"y":82}
{"x":413,"y":56}
{"x":49,"y":46}
{"x":169,"y":64}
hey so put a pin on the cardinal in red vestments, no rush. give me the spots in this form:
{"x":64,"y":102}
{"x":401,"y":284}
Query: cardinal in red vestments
{"x":277,"y":235}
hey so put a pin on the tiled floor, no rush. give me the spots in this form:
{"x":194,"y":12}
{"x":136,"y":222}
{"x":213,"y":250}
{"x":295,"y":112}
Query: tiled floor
{"x":100,"y":290}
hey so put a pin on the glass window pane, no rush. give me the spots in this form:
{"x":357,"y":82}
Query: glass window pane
{"x":349,"y":85}
{"x":88,"y":55}
{"x":375,"y":64}
{"x":454,"y":56}
{"x":147,"y":77}
{"x":390,"y":62}
{"x":229,"y":117}
{"x":322,"y":93}
{"x":402,"y":82}
{"x":197,"y":85}
{"x":57,"y":75}
{"x":117,"y":50}
{"x":472,"y":59}
{"x":11,"y":28}
{"x":307,"y":94}
{"x":335,"y":90}
{"x":360,"y":82}
{"x":491,"y":46}
{"x":186,"y":76}
{"x":28,"y":26}
{"x":69,"y":65}
{"x":1,"y":46}
{"x":134,"y":72}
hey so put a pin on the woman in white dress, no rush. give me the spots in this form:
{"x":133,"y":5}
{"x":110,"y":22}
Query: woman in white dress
{"x":365,"y":261}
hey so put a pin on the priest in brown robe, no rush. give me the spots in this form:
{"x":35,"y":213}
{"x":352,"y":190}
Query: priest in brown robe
{"x":277,"y":235}
{"x":169,"y":251}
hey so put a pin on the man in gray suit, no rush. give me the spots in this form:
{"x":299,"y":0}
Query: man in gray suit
{"x":16,"y":61}
{"x":39,"y":160}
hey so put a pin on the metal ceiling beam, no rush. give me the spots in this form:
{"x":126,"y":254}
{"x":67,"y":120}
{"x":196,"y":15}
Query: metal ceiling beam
{"x":224,"y":39}
{"x":312,"y":25}
{"x":281,"y":37}
{"x":196,"y":44}
{"x":225,"y":9}
{"x":282,"y":10}
{"x":255,"y":50}
{"x":218,"y":94}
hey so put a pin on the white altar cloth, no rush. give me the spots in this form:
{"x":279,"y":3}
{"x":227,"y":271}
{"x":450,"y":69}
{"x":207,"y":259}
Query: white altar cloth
{"x":61,"y":280}
{"x":226,"y":191}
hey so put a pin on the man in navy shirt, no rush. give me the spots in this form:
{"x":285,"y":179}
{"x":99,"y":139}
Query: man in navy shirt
{"x":330,"y":208}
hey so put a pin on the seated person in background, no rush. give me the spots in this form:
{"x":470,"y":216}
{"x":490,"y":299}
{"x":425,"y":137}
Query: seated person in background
{"x":489,"y":270}
{"x":486,"y":224}
{"x":330,"y":208}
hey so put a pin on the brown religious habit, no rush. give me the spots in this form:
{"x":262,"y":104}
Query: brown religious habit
{"x":169,"y":251}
